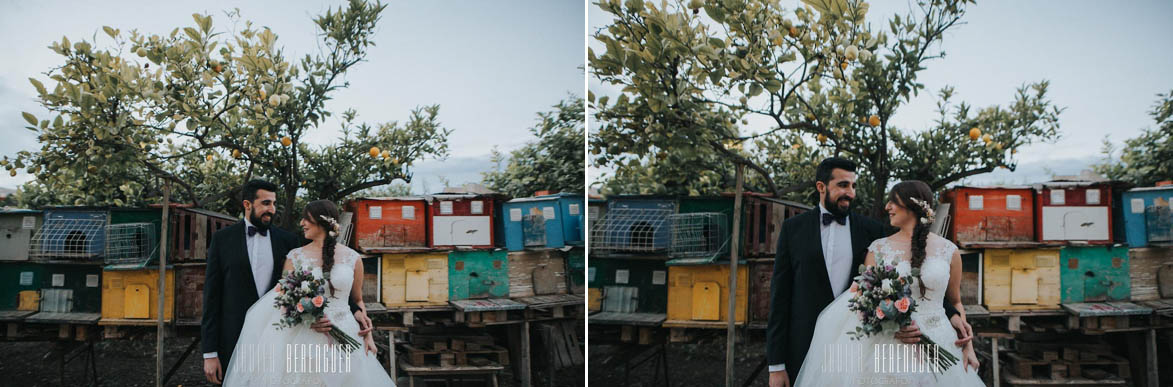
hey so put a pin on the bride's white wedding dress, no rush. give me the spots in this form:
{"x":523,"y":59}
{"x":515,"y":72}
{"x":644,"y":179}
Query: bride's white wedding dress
{"x":300,"y":356}
{"x":834,"y":359}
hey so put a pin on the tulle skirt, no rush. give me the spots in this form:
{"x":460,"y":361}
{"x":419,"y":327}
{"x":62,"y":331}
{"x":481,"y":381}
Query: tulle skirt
{"x":299,"y":356}
{"x":835,"y":359}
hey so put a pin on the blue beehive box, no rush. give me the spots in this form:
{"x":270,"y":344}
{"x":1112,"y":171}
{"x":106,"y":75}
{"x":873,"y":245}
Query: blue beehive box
{"x":1147,"y":216}
{"x":548,"y":221}
{"x":635,"y":224}
{"x":71,"y":233}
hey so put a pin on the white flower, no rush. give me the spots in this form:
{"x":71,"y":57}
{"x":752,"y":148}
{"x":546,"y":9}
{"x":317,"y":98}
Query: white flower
{"x":850,"y":52}
{"x":317,"y":272}
{"x":274,"y":100}
{"x":864,"y":55}
{"x":886,"y":285}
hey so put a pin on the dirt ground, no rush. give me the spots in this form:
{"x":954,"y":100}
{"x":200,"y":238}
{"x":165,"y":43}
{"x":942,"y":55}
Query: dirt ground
{"x":131,"y":363}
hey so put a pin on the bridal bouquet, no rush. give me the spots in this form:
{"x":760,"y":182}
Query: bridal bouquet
{"x":301,"y":297}
{"x":883,"y":300}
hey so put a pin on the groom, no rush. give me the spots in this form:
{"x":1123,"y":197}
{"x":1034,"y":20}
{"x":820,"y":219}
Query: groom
{"x":817,"y":256}
{"x":244,"y":262}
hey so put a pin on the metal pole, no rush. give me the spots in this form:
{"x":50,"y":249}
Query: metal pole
{"x":162,"y":286}
{"x":730,"y":331}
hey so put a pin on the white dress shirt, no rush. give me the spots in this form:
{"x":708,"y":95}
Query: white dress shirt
{"x":836,"y":240}
{"x":260,"y":256}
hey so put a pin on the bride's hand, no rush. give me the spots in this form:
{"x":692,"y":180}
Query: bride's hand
{"x":369,"y":345}
{"x":970,"y":358}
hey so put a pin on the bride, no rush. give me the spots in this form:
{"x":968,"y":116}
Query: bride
{"x":837,"y":360}
{"x":301,"y":356}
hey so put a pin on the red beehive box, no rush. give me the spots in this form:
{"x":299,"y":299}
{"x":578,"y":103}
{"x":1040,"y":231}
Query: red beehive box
{"x":464,"y":220}
{"x":990,"y":214}
{"x":1074,"y":211}
{"x":382,"y":224}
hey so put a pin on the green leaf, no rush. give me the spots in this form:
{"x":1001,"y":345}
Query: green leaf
{"x":37,"y":84}
{"x":110,"y":31}
{"x":32,"y":120}
{"x":773,"y":85}
{"x":755,"y":89}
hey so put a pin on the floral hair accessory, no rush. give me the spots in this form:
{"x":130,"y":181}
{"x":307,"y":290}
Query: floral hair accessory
{"x":924,"y":205}
{"x":333,"y":225}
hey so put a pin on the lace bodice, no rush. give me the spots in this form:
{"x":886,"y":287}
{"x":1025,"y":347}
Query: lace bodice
{"x":934,"y":271}
{"x":341,"y":275}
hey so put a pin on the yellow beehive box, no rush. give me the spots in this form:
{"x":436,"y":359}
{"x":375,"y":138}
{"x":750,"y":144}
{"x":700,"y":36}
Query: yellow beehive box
{"x":594,"y":299}
{"x":415,"y":279}
{"x":1021,"y":279}
{"x":134,"y":295}
{"x":701,"y":293}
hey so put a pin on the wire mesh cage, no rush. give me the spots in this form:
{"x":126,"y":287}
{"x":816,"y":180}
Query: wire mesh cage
{"x":632,"y":230}
{"x":69,"y":238}
{"x":699,"y":235}
{"x":1159,"y":224}
{"x":131,"y":243}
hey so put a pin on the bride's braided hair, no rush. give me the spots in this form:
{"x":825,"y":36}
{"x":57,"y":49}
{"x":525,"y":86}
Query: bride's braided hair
{"x":916,"y":197}
{"x":325,"y":214}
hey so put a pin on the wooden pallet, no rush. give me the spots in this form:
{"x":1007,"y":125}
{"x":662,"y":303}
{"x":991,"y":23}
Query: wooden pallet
{"x":552,"y":307}
{"x":424,"y":357}
{"x":1105,"y":317}
{"x":1010,"y":379}
{"x":1027,"y":367}
{"x":477,"y":313}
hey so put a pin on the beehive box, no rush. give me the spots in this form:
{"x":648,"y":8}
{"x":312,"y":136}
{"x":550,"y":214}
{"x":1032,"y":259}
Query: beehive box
{"x":1094,"y":273}
{"x":478,"y":274}
{"x":701,"y":293}
{"x":189,"y":298}
{"x":371,"y":266}
{"x":415,"y":279}
{"x":537,"y":273}
{"x":1021,"y":279}
{"x":71,"y":287}
{"x":1074,"y":211}
{"x":761,"y":273}
{"x":461,"y":220}
{"x":576,"y":269}
{"x":20,"y":285}
{"x":634,"y":224}
{"x":16,"y":232}
{"x":1151,"y":273}
{"x":763,"y":222}
{"x":71,"y":233}
{"x":390,"y":223}
{"x":1148,"y":218}
{"x":191,"y":231}
{"x":133,"y":295}
{"x":971,"y":277}
{"x":991,"y":214}
{"x":549,"y":221}
{"x":596,"y":209}
{"x":634,"y":284}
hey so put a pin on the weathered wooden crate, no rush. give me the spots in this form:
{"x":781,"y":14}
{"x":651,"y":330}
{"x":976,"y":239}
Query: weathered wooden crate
{"x":478,"y":274}
{"x":17,"y":227}
{"x":415,"y":279}
{"x":1021,"y":279}
{"x":764,"y":217}
{"x":537,"y":272}
{"x":132,"y":296}
{"x":971,"y":277}
{"x":189,"y":297}
{"x":1094,"y":273}
{"x":390,"y":223}
{"x":576,"y":269}
{"x":761,"y":273}
{"x":700,"y":294}
{"x":990,"y":214}
{"x":635,"y":284}
{"x":1151,"y":273}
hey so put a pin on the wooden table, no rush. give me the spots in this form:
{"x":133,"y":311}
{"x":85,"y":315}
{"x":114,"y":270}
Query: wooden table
{"x":489,"y":372}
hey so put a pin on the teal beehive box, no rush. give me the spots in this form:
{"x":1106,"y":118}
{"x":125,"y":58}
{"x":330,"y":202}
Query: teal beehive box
{"x":1094,"y":273}
{"x":478,"y":274}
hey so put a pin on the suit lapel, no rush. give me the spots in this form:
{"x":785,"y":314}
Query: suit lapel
{"x":814,"y":233}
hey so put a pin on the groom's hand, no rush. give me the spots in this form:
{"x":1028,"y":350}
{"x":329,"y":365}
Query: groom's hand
{"x":964,"y":330}
{"x":779,"y":379}
{"x":323,"y":325}
{"x":212,"y":370}
{"x":909,"y":334}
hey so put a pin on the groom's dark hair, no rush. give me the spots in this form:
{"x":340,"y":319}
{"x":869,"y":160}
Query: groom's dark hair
{"x":249,"y":191}
{"x":823,"y":172}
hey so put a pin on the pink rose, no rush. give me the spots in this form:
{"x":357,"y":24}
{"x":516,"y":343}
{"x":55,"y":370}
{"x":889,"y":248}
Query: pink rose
{"x":903,"y":304}
{"x":879,"y":313}
{"x":318,"y":301}
{"x":300,"y":309}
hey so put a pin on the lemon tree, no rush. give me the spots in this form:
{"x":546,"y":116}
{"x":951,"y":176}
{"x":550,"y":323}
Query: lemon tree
{"x":1144,"y":160}
{"x":205,"y":109}
{"x":691,"y":76}
{"x":552,"y":161}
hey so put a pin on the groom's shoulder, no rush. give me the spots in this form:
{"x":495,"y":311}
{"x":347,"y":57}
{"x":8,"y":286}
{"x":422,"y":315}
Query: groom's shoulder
{"x":224,"y":232}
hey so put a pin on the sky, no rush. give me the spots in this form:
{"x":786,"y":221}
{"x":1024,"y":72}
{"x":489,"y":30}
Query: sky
{"x":491,"y":66}
{"x":1106,"y":61}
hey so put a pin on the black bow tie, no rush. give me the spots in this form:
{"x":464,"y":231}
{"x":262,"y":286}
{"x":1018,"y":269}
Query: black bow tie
{"x":828,"y":218}
{"x":253,"y":230}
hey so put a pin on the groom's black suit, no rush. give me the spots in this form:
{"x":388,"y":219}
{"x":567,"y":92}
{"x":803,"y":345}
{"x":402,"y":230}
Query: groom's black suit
{"x":230,"y":289}
{"x":801,"y":288}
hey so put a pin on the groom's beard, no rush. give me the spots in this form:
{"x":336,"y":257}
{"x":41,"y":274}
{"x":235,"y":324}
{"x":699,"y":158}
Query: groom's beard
{"x":258,"y":220}
{"x":833,"y":205}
